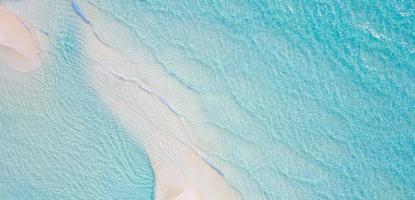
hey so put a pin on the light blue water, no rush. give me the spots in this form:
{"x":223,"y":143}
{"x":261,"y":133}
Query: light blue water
{"x":313,"y":100}
{"x":62,"y":143}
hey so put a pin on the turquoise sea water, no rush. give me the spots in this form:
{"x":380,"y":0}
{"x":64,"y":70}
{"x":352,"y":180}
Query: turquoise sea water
{"x":312,"y":100}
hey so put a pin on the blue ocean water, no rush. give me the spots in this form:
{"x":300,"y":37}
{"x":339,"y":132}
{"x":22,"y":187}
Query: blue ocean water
{"x":59,"y":141}
{"x":312,"y":100}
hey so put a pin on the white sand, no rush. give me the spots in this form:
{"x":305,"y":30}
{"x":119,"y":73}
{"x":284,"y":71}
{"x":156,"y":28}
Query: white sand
{"x":189,"y":194}
{"x":133,"y":90}
{"x":18,"y":48}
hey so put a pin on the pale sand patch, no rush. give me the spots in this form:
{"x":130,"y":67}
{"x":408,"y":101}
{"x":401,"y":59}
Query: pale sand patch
{"x":189,"y":194}
{"x":180,"y":171}
{"x":18,"y":45}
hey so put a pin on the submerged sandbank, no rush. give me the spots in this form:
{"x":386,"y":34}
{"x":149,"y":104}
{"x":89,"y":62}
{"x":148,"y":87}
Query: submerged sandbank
{"x":179,"y":170}
{"x":133,"y":90}
{"x":18,"y":46}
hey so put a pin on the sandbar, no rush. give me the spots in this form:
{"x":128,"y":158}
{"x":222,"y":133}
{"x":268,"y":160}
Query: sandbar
{"x":18,"y":46}
{"x":135,"y":91}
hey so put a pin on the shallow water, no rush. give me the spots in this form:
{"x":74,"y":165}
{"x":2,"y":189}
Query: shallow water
{"x":59,"y":141}
{"x":308,"y":100}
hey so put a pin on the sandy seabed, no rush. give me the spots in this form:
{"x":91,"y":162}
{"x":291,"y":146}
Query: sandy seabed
{"x":18,"y":44}
{"x":135,"y":90}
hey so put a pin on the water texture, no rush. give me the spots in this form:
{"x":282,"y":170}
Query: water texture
{"x":309,"y":100}
{"x":319,"y":95}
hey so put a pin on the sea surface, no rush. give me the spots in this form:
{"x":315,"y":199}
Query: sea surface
{"x":309,"y":100}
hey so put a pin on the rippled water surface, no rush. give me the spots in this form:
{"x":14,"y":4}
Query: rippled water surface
{"x":309,"y":100}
